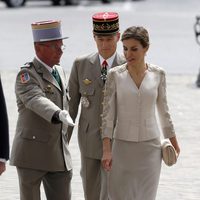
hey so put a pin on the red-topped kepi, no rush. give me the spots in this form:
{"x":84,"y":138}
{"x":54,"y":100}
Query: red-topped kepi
{"x":47,"y":31}
{"x":105,"y":23}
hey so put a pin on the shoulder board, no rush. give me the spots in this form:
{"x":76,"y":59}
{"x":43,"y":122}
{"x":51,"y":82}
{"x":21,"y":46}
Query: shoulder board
{"x":27,"y":65}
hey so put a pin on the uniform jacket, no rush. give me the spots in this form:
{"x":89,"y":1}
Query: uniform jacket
{"x":129,"y":113}
{"x":86,"y":85}
{"x":4,"y":134}
{"x":38,"y":143}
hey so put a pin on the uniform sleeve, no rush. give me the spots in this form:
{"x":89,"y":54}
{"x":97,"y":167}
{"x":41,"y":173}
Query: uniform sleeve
{"x":109,"y":107}
{"x":30,"y":93}
{"x":73,"y":89}
{"x":163,"y":110}
{"x":74,"y":95}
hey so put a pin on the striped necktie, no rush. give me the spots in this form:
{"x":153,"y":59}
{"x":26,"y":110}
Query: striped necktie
{"x":104,"y":71}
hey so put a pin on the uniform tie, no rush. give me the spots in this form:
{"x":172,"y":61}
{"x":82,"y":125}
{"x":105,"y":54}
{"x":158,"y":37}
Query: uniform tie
{"x":56,"y":76}
{"x":104,"y":70}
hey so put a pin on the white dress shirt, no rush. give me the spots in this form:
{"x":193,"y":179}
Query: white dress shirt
{"x":109,"y":60}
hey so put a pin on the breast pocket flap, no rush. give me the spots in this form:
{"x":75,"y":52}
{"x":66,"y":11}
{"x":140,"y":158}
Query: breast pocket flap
{"x":38,"y":136}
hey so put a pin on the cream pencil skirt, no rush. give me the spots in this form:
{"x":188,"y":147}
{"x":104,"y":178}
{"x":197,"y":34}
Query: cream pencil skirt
{"x":135,"y":170}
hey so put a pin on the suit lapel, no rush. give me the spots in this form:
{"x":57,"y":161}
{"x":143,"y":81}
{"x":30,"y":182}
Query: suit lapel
{"x":96,"y":69}
{"x":45,"y":73}
{"x":118,"y":60}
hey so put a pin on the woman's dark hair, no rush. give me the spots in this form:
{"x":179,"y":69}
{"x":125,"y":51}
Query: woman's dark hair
{"x":138,"y":33}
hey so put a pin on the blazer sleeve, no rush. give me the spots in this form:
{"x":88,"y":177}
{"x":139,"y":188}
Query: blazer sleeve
{"x":109,"y":106}
{"x":4,"y":129}
{"x":163,"y":109}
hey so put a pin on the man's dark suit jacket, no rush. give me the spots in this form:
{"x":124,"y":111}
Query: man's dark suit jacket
{"x":4,"y":134}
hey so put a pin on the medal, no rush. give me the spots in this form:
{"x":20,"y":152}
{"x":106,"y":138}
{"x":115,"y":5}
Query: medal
{"x":85,"y":102}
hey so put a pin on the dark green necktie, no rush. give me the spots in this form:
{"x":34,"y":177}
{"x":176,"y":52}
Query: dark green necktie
{"x":56,"y":76}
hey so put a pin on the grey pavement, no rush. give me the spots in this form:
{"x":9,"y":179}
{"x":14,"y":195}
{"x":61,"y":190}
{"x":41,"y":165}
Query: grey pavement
{"x":179,"y":182}
{"x":172,"y":46}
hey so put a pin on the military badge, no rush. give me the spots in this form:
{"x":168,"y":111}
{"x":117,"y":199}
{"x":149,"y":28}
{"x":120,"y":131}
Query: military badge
{"x":104,"y":74}
{"x":28,"y":64}
{"x":87,"y":81}
{"x":24,"y":77}
{"x":48,"y":89}
{"x":85,"y":102}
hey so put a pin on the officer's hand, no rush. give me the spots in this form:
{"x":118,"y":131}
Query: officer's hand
{"x":65,"y":118}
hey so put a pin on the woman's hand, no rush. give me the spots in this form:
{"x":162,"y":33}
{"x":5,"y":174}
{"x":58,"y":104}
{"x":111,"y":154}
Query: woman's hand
{"x":174,"y":142}
{"x":107,"y":161}
{"x":107,"y":155}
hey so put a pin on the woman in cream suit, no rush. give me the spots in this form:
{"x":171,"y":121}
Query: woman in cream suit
{"x":133,"y":92}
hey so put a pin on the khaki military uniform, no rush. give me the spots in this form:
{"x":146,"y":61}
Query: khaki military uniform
{"x":39,"y":144}
{"x":86,"y":87}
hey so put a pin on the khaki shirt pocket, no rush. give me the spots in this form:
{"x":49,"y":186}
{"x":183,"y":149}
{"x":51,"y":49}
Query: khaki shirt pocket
{"x":50,"y":93}
{"x":87,"y":91}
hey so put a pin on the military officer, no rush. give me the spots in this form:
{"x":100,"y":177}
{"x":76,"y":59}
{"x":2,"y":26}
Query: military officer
{"x":40,"y":149}
{"x":86,"y":85}
{"x":4,"y":133}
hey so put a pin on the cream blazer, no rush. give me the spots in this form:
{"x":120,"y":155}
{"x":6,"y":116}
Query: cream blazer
{"x":129,"y":113}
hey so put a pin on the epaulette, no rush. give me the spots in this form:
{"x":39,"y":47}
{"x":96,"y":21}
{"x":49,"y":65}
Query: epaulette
{"x":27,"y":65}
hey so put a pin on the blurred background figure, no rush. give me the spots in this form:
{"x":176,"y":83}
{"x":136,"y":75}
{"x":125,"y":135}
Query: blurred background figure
{"x":197,"y":34}
{"x":105,"y":1}
{"x":66,"y":2}
{"x":4,"y":134}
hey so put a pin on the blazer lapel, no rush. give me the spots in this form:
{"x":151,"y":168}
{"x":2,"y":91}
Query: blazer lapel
{"x":45,"y":73}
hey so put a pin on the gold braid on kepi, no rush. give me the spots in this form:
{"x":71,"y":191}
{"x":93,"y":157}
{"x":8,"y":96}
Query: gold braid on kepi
{"x":105,"y":23}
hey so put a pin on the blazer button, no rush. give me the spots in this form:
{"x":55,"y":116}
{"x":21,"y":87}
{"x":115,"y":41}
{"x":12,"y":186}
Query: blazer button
{"x":34,"y":137}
